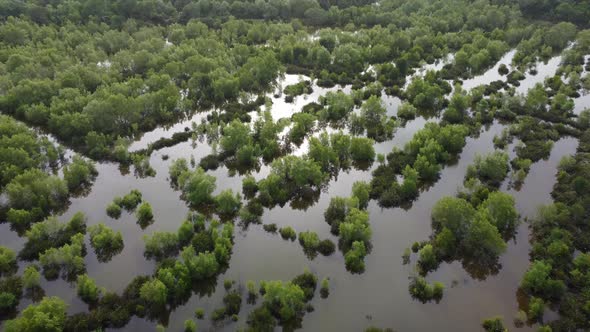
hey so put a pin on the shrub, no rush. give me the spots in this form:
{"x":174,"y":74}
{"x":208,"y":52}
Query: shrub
{"x":218,"y":314}
{"x":249,"y":186}
{"x":131,"y":200}
{"x":232,"y":302}
{"x":199,"y":313}
{"x":87,"y":289}
{"x":144,"y":214}
{"x":228,"y":283}
{"x":31,"y":277}
{"x":160,"y":245}
{"x":427,"y":258}
{"x":361,"y":149}
{"x":309,"y":240}
{"x":325,"y":288}
{"x":288,"y":233}
{"x":493,"y":324}
{"x":190,"y":326}
{"x":114,"y":210}
{"x":7,"y":261}
{"x":536,"y":308}
{"x":50,"y":312}
{"x":326,"y":247}
{"x":271,"y":228}
{"x":105,"y":241}
{"x":353,"y":258}
{"x":227,"y":204}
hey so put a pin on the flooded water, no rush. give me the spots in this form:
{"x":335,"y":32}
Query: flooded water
{"x":377,"y":297}
{"x":491,"y":74}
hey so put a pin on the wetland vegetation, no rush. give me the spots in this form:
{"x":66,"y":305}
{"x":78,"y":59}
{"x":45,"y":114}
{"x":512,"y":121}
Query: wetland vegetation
{"x":150,"y":149}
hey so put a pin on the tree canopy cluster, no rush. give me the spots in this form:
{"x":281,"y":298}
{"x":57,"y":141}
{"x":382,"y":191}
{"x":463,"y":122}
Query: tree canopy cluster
{"x":284,"y":303}
{"x":29,"y":164}
{"x":557,"y":275}
{"x":348,"y":218}
{"x":419,"y":163}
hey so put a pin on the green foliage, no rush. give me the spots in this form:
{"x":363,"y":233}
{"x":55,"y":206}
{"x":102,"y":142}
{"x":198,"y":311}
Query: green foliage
{"x":537,"y":281}
{"x":427,"y":93}
{"x":361,"y":149}
{"x":406,"y":111}
{"x":67,"y":259}
{"x":227,"y":284}
{"x":186,"y":231}
{"x":419,"y":162}
{"x":105,"y":241}
{"x":154,"y":293}
{"x":290,"y":177}
{"x":326,"y":247}
{"x":421,"y":290}
{"x":355,"y":227}
{"x":22,"y":150}
{"x":453,"y":213}
{"x":271,"y":228}
{"x":307,"y":281}
{"x":494,"y":324}
{"x":354,"y":257}
{"x":232,"y":302}
{"x":427,"y":258}
{"x":558,"y":35}
{"x":536,"y":308}
{"x":261,"y":319}
{"x":79,"y":174}
{"x":249,"y":186}
{"x":228,"y":204}
{"x":52,"y":233}
{"x":374,"y":119}
{"x":325,"y":288}
{"x":160,"y":245}
{"x":303,"y":123}
{"x":338,"y":106}
{"x":201,"y":266}
{"x":337,"y":211}
{"x":483,"y":242}
{"x":190,"y":326}
{"x":361,"y":190}
{"x":7,"y":261}
{"x":438,"y":289}
{"x":502,"y":212}
{"x":491,"y":169}
{"x":96,"y":74}
{"x":8,"y":302}
{"x":48,"y":315}
{"x":199,"y":313}
{"x":130,"y":201}
{"x":475,"y":236}
{"x":114,"y":210}
{"x":31,"y":277}
{"x":284,"y":300}
{"x":197,"y":187}
{"x":297,"y":89}
{"x":177,"y":167}
{"x":144,"y":214}
{"x":288,"y":233}
{"x":218,"y":314}
{"x":235,"y":135}
{"x":309,"y":240}
{"x":87,"y":289}
{"x":34,"y":194}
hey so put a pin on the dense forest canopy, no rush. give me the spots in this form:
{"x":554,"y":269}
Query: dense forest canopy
{"x":81,"y":81}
